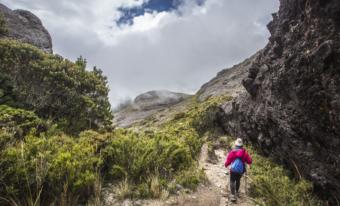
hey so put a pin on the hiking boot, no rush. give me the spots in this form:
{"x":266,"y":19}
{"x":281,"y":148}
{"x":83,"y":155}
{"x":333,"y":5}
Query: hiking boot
{"x":233,"y":198}
{"x":237,"y":194}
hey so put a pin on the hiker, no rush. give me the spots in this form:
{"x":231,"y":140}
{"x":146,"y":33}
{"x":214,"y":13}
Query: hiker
{"x":237,"y":158}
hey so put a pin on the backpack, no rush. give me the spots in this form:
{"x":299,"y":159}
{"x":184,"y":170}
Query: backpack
{"x":237,"y":165}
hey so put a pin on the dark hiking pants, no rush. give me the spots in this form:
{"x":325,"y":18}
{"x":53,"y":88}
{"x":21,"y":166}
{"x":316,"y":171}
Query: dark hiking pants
{"x":234,"y":177}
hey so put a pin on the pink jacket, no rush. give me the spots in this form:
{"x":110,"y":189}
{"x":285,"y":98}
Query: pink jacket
{"x":238,"y":153}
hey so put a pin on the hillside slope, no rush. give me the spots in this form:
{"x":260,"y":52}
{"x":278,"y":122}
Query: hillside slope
{"x":227,"y":80}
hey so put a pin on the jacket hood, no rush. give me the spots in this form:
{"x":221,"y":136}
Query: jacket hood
{"x":239,"y":153}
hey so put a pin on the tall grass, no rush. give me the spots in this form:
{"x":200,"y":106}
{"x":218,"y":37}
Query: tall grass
{"x":271,"y":184}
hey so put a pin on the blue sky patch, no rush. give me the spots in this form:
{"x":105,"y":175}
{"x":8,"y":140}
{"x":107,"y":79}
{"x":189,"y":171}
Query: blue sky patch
{"x":150,"y":6}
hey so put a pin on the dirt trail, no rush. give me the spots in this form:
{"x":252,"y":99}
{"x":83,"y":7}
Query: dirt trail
{"x":215,"y":192}
{"x":219,"y":178}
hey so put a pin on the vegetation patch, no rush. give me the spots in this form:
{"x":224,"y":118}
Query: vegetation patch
{"x":179,"y":115}
{"x":56,"y":88}
{"x":207,"y":97}
{"x":271,"y":184}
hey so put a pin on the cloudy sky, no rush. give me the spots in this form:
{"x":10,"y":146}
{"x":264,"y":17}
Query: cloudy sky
{"x":144,"y":45}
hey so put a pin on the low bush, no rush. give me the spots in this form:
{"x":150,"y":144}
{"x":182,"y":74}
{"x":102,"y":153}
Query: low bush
{"x":191,"y":182}
{"x":179,"y":115}
{"x":271,"y":184}
{"x":47,"y":168}
{"x":138,"y":156}
{"x":53,"y":87}
{"x":225,"y":142}
{"x":18,"y":121}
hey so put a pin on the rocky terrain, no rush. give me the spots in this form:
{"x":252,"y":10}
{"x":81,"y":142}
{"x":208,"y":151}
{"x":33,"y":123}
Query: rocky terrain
{"x":27,"y":28}
{"x":146,"y":105}
{"x":291,"y":108}
{"x":227,"y":80}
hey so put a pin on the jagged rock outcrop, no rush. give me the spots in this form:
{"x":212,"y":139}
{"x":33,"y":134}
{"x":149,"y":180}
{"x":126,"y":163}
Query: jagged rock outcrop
{"x":291,"y":108}
{"x":146,"y":105}
{"x":26,"y":27}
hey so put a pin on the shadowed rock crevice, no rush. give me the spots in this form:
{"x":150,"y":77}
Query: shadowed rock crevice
{"x":291,"y":108}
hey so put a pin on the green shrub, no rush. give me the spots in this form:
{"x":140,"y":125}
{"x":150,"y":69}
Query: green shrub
{"x":208,"y":97}
{"x":225,"y":142}
{"x":273,"y":185}
{"x":6,"y":92}
{"x":179,"y":115}
{"x":227,"y":98}
{"x":204,"y":119}
{"x":191,"y":182}
{"x":48,"y":168}
{"x":139,"y":154}
{"x":53,"y":87}
{"x":17,"y":120}
{"x":195,"y":98}
{"x":3,"y":28}
{"x":117,"y":172}
{"x":143,"y":190}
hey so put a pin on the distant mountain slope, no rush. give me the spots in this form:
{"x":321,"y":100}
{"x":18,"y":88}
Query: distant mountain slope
{"x":227,"y":81}
{"x":146,"y":105}
{"x":27,"y":28}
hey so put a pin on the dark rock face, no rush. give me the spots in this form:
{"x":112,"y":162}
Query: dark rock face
{"x":291,"y":108}
{"x":26,"y":27}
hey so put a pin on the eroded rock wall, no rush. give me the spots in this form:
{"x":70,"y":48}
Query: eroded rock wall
{"x":27,"y":28}
{"x":292,"y":105}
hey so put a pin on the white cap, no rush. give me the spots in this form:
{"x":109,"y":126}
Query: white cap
{"x":239,"y":142}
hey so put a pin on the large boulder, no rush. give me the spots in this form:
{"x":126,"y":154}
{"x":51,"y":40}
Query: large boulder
{"x":291,"y":109}
{"x":27,"y":28}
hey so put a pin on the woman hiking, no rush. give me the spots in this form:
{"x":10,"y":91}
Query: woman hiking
{"x":237,"y":158}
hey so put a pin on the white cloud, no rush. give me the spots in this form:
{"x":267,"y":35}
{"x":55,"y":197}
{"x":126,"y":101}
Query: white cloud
{"x":178,"y":50}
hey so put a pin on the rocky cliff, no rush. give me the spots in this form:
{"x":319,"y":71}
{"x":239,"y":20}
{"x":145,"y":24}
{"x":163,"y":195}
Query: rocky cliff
{"x":26,"y":27}
{"x":291,"y":108}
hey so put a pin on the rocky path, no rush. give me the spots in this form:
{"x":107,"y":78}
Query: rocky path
{"x":219,"y":178}
{"x":215,"y":192}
